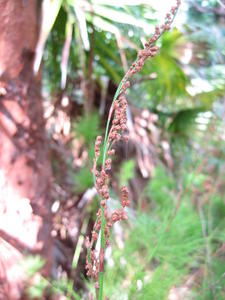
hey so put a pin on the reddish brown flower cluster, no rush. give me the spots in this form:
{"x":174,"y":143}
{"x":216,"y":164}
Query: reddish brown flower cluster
{"x":124,"y":197}
{"x":93,"y":265}
{"x":118,"y":114}
{"x":120,"y":118}
{"x":150,"y":50}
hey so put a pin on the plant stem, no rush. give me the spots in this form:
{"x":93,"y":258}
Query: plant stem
{"x":101,"y":259}
{"x":101,"y":277}
{"x":102,"y":240}
{"x":108,"y":122}
{"x":105,"y":149}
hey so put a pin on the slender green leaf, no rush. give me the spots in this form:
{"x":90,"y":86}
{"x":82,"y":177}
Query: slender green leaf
{"x":49,"y":12}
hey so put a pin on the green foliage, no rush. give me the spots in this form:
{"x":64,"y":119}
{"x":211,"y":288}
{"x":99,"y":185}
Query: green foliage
{"x":169,"y":75}
{"x":194,"y":180}
{"x":184,"y":121}
{"x":166,"y":245}
{"x":126,"y":173}
{"x":207,"y":98}
{"x":213,"y":288}
{"x":32,"y":264}
{"x":160,"y":257}
{"x":65,"y":288}
{"x":159,"y":188}
{"x":111,"y":25}
{"x":83,"y":180}
{"x":87,"y":128}
{"x":218,"y":212}
{"x":37,"y":290}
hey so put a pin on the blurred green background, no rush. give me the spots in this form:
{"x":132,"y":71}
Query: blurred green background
{"x":173,"y":243}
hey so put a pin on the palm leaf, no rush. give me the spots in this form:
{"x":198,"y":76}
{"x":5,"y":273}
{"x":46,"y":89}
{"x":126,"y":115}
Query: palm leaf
{"x":80,"y":15}
{"x":184,"y":121}
{"x":120,"y":16}
{"x":49,"y":12}
{"x":66,"y":51}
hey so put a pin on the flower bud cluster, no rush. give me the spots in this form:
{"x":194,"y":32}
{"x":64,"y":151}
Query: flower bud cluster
{"x":150,"y":50}
{"x":124,"y":197}
{"x":97,"y":146}
{"x":120,"y":119}
{"x":92,"y":261}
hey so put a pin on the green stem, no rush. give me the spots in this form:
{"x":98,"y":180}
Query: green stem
{"x":124,"y":79}
{"x":103,"y":225}
{"x":105,"y":149}
{"x":101,"y":277}
{"x":102,"y":246}
{"x":102,"y":240}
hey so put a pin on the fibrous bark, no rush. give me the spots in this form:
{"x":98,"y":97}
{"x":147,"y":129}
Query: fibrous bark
{"x":25,"y":173}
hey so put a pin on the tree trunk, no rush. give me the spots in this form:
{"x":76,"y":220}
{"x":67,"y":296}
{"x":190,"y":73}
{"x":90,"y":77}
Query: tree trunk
{"x":25,"y":173}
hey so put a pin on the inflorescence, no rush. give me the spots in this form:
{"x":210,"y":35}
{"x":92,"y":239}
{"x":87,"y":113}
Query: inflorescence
{"x":118,"y":119}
